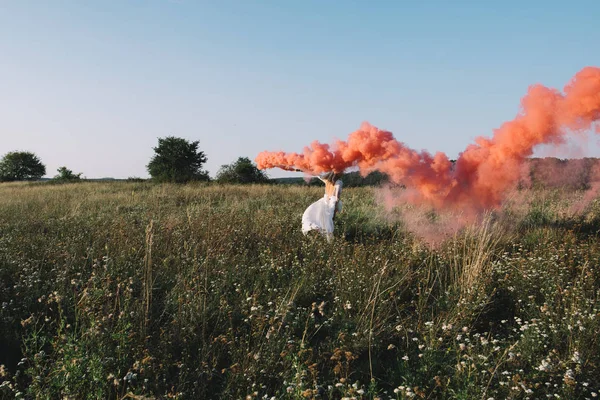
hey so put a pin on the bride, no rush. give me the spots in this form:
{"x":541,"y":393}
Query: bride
{"x":320,"y":214}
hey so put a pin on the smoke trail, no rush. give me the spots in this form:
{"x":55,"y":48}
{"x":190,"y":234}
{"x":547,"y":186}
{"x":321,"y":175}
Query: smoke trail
{"x":484,"y":171}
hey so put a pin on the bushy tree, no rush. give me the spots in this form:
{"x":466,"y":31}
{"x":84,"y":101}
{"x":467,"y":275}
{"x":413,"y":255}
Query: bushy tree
{"x":65,"y":174}
{"x":20,"y":166}
{"x":177,"y":160}
{"x":241,"y":171}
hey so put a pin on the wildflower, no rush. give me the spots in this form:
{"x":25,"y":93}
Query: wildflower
{"x":446,"y":327}
{"x":544,"y":366}
{"x":569,"y":378}
{"x":27,"y":321}
{"x":405,"y":358}
{"x":6,"y":384}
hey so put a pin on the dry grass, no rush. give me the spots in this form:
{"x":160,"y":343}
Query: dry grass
{"x":132,"y":290}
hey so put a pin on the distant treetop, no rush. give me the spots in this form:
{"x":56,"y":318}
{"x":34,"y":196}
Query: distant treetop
{"x":21,"y":166}
{"x":177,"y":160}
{"x":65,"y":174}
{"x":241,"y":171}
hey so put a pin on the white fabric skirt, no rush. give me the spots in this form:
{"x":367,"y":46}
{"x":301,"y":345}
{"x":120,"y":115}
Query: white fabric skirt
{"x":319,"y":215}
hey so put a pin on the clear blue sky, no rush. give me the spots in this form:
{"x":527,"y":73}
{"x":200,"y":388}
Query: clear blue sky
{"x":93,"y":84}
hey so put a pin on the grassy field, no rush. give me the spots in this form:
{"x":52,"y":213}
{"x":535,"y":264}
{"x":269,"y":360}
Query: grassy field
{"x":132,"y":290}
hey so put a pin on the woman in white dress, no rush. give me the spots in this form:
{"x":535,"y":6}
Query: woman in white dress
{"x":320,"y":214}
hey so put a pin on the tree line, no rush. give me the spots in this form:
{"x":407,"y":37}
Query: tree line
{"x":174,"y":160}
{"x":179,"y":160}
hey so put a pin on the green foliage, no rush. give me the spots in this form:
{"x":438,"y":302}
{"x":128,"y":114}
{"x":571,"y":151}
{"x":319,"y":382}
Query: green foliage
{"x":132,"y":290}
{"x":21,"y":166}
{"x":177,"y":160}
{"x":65,"y":174}
{"x":135,"y":179}
{"x":350,"y":179}
{"x":355,"y":179}
{"x":241,"y":171}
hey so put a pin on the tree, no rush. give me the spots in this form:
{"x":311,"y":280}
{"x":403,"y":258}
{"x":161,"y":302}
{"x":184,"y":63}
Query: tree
{"x":20,"y":166}
{"x":241,"y":171}
{"x":177,"y":160}
{"x":65,"y":174}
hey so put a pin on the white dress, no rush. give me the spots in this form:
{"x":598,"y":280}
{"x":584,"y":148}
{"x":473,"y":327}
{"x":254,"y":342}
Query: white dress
{"x":319,"y":215}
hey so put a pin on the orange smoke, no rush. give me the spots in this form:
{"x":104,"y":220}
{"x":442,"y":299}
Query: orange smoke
{"x":365,"y":148}
{"x":483,"y":172}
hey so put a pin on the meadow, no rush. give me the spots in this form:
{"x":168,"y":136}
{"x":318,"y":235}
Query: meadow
{"x":133,"y":290}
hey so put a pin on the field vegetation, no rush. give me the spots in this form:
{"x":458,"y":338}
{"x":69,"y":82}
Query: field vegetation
{"x":138,"y":290}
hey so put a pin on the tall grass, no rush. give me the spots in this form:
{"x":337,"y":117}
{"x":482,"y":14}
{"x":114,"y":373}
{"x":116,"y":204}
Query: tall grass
{"x":132,"y":290}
